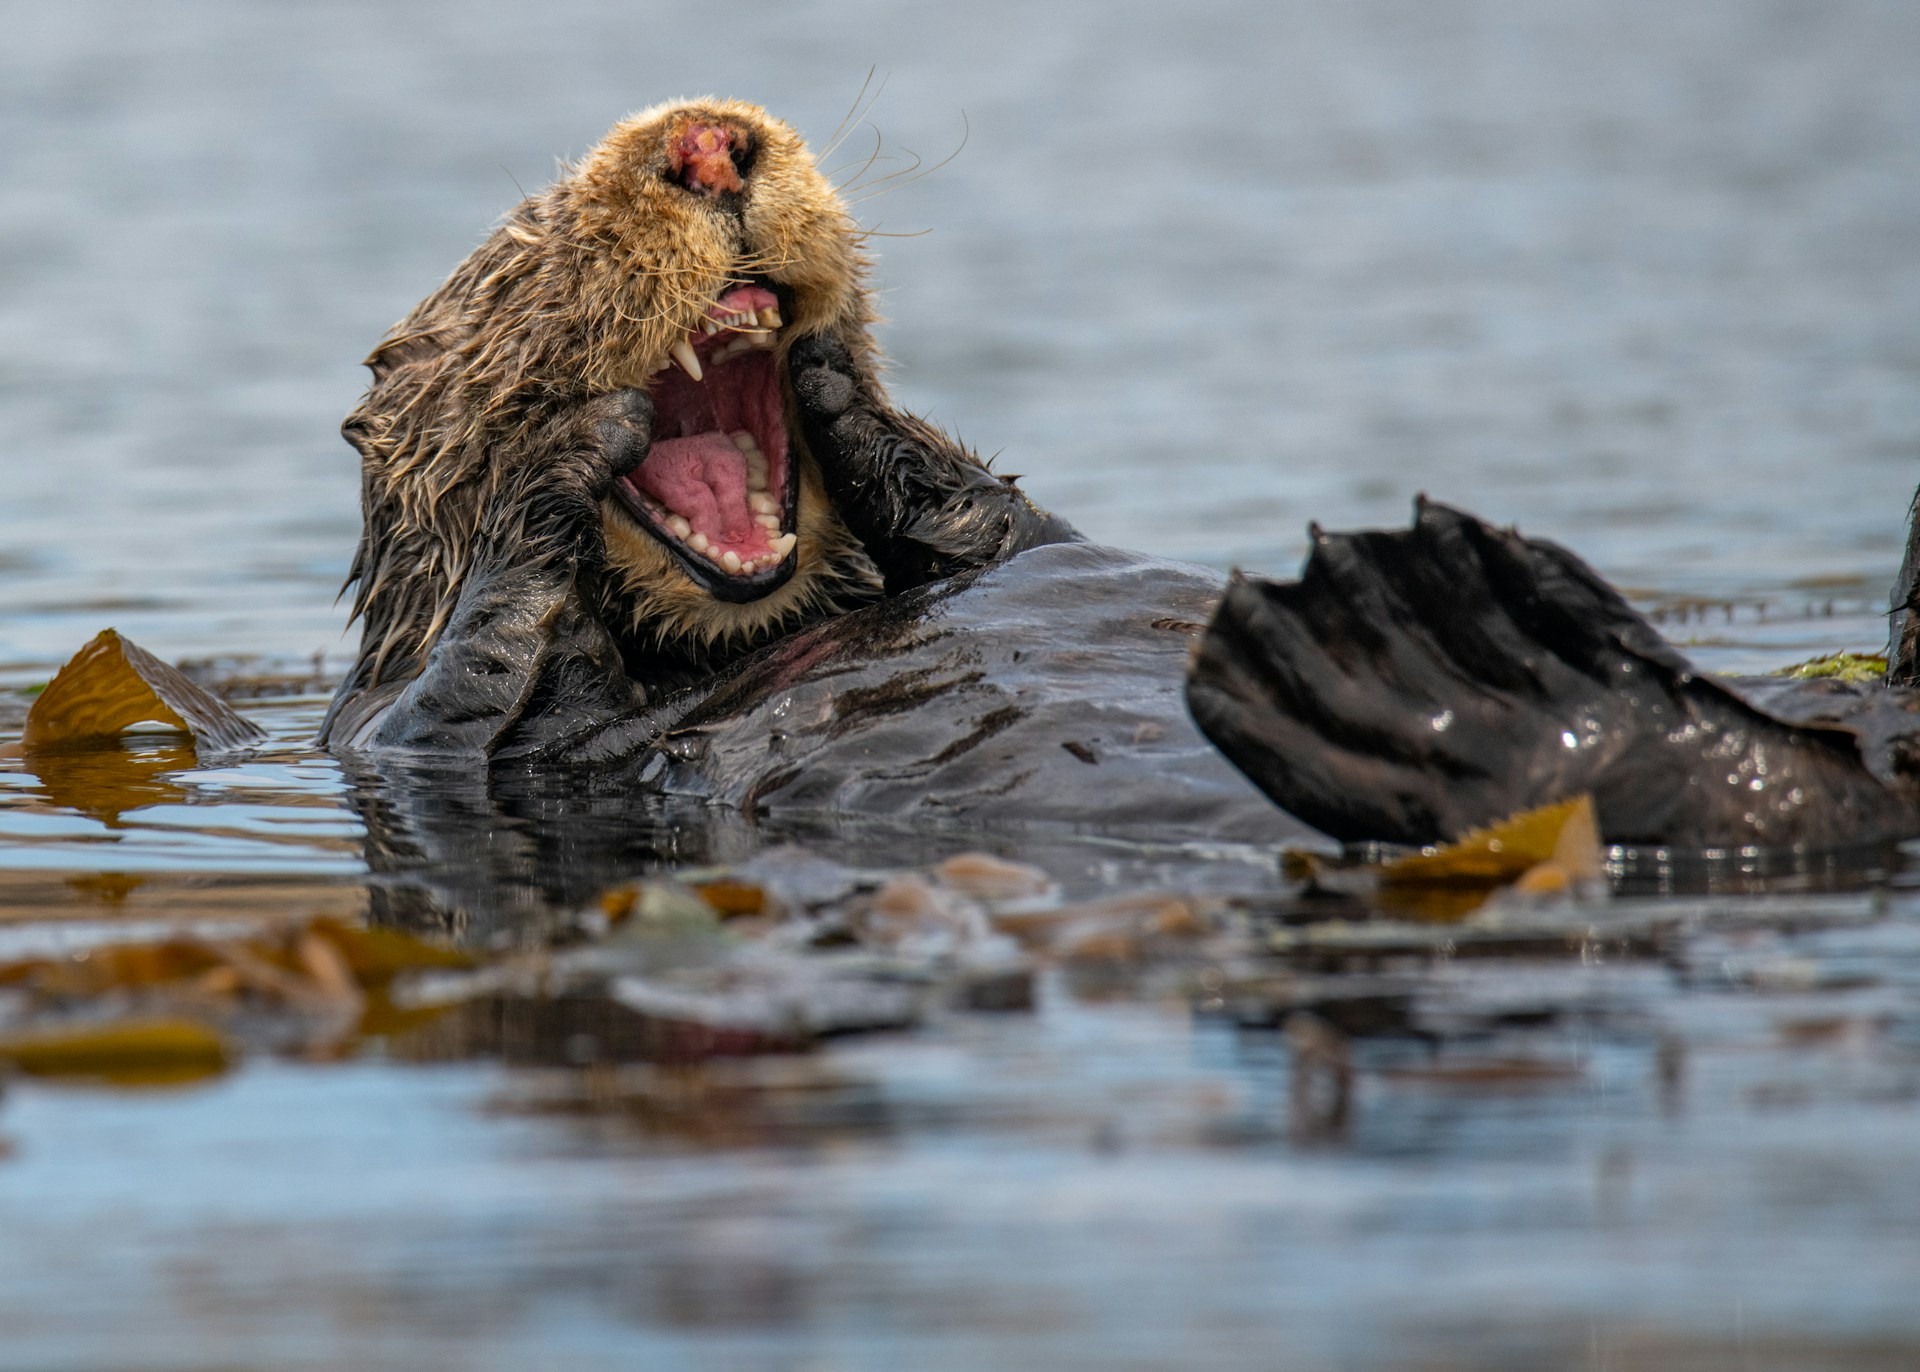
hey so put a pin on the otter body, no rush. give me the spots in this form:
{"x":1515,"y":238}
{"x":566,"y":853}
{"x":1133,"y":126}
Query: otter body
{"x":638,"y":510}
{"x":640,"y":514}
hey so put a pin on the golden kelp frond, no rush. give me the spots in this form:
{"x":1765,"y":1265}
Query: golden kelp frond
{"x":112,"y":684}
{"x":1545,"y":851}
{"x":144,"y":1052}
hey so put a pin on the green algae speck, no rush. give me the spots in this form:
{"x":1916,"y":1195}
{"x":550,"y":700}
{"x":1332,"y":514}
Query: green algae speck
{"x":1864,"y":668}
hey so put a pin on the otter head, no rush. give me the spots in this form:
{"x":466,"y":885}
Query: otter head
{"x":682,"y":257}
{"x":719,"y":242}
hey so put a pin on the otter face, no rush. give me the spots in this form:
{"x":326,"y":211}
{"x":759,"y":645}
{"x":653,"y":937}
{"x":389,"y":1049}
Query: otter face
{"x":724,"y":242}
{"x":683,"y":256}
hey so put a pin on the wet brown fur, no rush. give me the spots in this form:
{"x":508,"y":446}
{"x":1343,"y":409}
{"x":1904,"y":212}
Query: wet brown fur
{"x":581,"y":291}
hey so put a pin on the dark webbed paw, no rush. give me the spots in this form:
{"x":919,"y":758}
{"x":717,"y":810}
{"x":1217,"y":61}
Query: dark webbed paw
{"x":1416,"y":683}
{"x":552,"y":503}
{"x":613,"y":433}
{"x":823,"y":377}
{"x":922,"y":504}
{"x":857,"y":442}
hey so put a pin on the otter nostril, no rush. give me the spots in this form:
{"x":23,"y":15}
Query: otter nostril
{"x":709,"y":159}
{"x":742,"y":152}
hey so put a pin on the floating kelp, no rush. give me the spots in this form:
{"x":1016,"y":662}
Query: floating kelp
{"x":1547,"y":850}
{"x":131,"y":1052}
{"x":112,"y":684}
{"x":143,"y":1001}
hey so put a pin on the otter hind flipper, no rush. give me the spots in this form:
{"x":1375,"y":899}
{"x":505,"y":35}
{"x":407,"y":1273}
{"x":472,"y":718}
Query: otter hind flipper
{"x":1417,"y":683}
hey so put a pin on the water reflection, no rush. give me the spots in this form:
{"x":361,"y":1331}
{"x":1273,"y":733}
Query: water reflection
{"x":106,"y":780}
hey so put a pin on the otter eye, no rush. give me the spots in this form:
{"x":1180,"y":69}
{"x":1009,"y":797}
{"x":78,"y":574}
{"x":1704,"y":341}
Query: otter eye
{"x":710,"y":159}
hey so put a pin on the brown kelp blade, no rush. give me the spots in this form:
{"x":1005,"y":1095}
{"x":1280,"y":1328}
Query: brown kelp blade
{"x":112,"y":684}
{"x":1563,"y":834}
{"x":145,"y":1052}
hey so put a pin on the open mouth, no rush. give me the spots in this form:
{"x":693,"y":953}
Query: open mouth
{"x":717,"y":487}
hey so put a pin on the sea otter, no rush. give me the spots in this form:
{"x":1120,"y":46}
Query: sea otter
{"x":640,"y":515}
{"x":638,"y":511}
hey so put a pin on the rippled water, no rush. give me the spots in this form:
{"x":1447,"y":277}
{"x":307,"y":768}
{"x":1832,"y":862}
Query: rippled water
{"x":1638,"y":276}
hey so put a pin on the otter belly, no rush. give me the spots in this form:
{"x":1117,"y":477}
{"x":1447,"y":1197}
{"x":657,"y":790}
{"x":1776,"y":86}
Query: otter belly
{"x":1044,"y":689}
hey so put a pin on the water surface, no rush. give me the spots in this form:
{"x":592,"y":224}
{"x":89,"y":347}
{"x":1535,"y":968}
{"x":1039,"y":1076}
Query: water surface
{"x":1639,"y":278}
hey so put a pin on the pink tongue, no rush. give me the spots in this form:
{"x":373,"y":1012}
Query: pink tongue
{"x":703,"y":478}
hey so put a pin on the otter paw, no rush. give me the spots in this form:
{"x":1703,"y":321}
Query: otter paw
{"x":822,"y":371}
{"x":621,"y":423}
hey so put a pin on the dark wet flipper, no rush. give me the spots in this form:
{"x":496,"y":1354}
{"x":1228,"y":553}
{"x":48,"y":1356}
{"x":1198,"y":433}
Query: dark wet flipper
{"x":1418,"y":683}
{"x":923,"y":506}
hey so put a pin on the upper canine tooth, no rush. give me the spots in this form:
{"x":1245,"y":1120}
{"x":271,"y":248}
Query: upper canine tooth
{"x":683,"y":354}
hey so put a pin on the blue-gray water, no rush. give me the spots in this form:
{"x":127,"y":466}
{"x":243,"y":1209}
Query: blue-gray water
{"x":1640,"y":276}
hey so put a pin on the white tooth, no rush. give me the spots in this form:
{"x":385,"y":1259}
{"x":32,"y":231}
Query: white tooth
{"x":744,"y":441}
{"x":698,"y":543}
{"x":709,"y":327}
{"x":783,"y":545}
{"x":752,"y":318}
{"x":678,"y":525}
{"x":756,"y":482}
{"x":770,"y":318}
{"x":730,"y":560}
{"x":731,"y":350}
{"x":769,"y":522}
{"x":761,"y":503}
{"x":683,"y":354}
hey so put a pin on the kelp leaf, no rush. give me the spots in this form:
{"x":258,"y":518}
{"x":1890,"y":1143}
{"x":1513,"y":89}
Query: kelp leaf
{"x":375,"y":957}
{"x":1564,"y":835}
{"x":112,"y":684}
{"x":151,"y":1052}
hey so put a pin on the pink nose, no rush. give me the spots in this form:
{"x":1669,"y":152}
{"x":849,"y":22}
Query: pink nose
{"x":703,"y":158}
